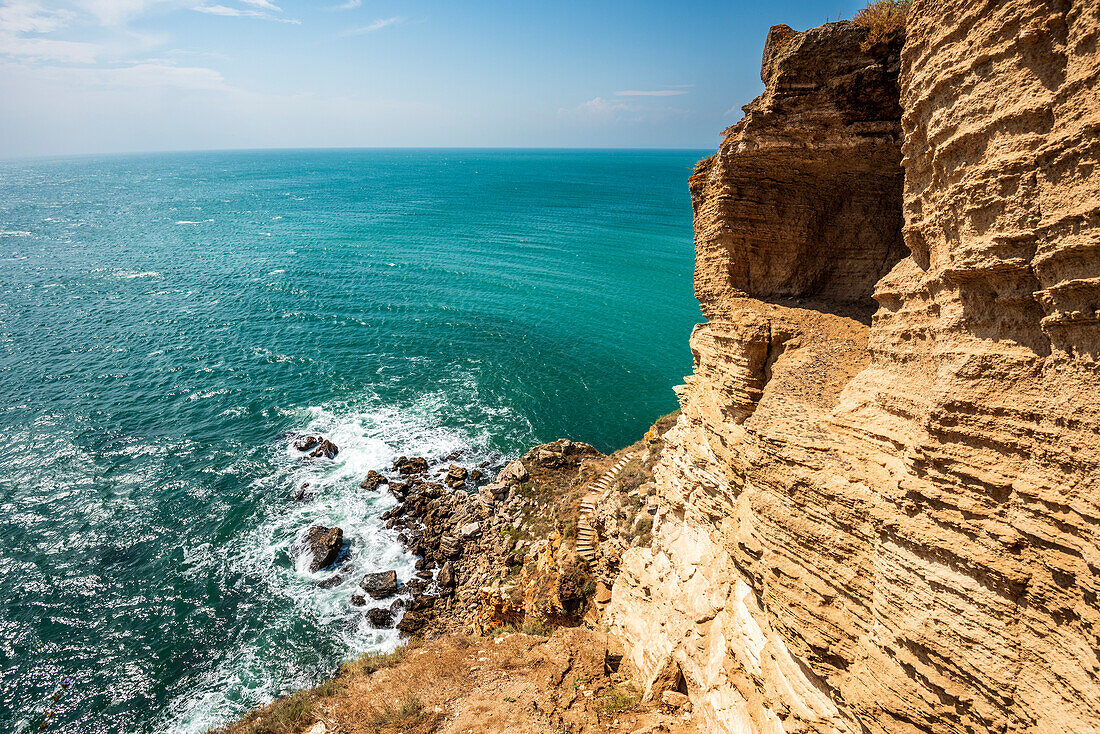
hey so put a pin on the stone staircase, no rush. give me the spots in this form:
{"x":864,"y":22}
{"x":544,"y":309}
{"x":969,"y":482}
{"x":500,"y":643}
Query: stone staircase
{"x":587,"y":542}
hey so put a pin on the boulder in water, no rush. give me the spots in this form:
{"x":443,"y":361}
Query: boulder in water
{"x":408,"y":467}
{"x":325,"y":448}
{"x":307,"y":443}
{"x":380,"y":585}
{"x":373,"y":480}
{"x":325,"y":544}
{"x":381,"y":618}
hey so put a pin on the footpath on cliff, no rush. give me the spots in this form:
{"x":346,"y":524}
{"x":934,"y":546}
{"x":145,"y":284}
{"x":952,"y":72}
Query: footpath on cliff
{"x":505,"y":614}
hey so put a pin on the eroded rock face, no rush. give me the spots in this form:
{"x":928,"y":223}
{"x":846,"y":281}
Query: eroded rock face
{"x":803,"y":198}
{"x":892,"y":528}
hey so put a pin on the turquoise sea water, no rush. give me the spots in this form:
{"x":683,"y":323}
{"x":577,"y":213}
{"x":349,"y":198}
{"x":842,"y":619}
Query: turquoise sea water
{"x":165,"y":320}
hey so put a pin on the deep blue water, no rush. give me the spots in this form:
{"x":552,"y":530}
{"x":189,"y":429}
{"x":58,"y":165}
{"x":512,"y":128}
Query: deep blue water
{"x":166,"y":319}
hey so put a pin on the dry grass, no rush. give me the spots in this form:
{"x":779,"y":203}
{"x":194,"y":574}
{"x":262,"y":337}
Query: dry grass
{"x":885,"y":19}
{"x":372,"y":661}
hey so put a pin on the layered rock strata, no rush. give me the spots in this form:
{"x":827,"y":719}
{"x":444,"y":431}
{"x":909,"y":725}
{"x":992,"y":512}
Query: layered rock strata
{"x":891,"y":524}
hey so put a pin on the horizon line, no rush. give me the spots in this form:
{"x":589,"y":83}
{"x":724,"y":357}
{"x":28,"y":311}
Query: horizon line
{"x":166,"y":151}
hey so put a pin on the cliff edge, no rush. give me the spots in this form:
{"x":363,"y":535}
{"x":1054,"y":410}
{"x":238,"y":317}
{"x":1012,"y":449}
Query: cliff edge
{"x":884,"y":515}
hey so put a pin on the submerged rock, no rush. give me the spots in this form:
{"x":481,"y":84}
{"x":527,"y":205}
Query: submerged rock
{"x":380,"y":585}
{"x":324,"y":544}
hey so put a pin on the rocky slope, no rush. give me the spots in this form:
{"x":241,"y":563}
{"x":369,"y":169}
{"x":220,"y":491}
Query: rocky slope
{"x":890,"y":523}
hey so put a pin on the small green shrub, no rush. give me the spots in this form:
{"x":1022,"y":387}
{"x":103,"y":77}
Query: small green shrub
{"x":885,"y":19}
{"x":619,"y":699}
{"x":536,"y":626}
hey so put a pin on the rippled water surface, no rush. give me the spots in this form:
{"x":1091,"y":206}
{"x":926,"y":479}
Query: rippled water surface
{"x":166,"y":320}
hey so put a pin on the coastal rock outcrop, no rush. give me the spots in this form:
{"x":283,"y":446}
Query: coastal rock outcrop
{"x":891,"y":523}
{"x":380,"y":585}
{"x":324,"y":546}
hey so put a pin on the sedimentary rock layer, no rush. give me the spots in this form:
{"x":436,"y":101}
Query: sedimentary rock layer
{"x":892,"y":525}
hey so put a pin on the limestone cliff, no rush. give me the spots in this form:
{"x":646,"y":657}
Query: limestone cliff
{"x":891,"y":523}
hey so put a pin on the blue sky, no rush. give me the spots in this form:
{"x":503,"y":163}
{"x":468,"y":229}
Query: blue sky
{"x":96,"y":76}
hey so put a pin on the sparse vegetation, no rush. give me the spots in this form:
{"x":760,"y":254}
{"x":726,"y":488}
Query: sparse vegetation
{"x":536,"y":626}
{"x":643,"y":529}
{"x":884,"y":19}
{"x":285,"y":716}
{"x":372,"y":661}
{"x":619,"y":699}
{"x":408,"y":712}
{"x":569,"y":531}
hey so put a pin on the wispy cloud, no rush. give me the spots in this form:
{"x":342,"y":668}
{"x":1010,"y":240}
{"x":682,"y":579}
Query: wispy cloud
{"x":23,"y":24}
{"x":267,"y":12}
{"x":349,"y":5}
{"x":650,"y":93}
{"x":601,"y":111}
{"x":375,"y":26}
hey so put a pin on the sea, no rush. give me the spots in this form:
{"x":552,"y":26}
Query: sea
{"x":170,"y":322}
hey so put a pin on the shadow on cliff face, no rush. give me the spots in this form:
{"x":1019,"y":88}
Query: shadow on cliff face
{"x":802,"y":203}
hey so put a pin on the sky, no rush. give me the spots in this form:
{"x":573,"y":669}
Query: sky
{"x":104,"y":76}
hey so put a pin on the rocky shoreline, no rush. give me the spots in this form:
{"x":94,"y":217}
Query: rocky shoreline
{"x":491,"y":551}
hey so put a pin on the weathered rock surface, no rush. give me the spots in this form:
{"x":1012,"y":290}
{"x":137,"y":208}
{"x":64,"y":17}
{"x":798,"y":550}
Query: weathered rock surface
{"x":373,"y":480}
{"x":380,"y":585}
{"x":407,"y":467}
{"x":891,"y":525}
{"x":380,"y":618}
{"x":324,"y":545}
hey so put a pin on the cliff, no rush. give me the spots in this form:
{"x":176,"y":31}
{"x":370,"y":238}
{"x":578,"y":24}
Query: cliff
{"x":884,"y":515}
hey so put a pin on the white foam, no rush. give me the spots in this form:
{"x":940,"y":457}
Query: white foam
{"x":369,"y":436}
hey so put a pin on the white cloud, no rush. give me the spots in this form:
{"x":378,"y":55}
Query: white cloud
{"x":265,"y":4}
{"x":21,"y":17}
{"x":116,"y":12}
{"x":375,"y":26}
{"x":349,"y":5}
{"x":230,"y":12}
{"x":653,"y":93}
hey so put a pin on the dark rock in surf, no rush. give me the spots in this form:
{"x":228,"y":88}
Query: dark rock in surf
{"x":408,"y":467}
{"x":380,"y":585}
{"x":380,"y":618}
{"x":325,"y":448}
{"x":324,"y":544}
{"x":307,"y":443}
{"x":373,"y":480}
